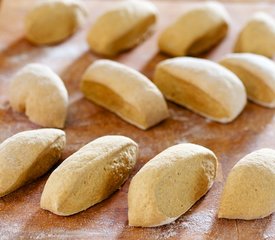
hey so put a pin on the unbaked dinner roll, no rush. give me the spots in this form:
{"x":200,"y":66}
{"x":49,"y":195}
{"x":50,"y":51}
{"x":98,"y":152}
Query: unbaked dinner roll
{"x":196,"y":31}
{"x":169,"y":184}
{"x":41,"y":94}
{"x":124,"y":91}
{"x":90,"y":175}
{"x":202,"y":86}
{"x":258,"y":35}
{"x":257,"y":74}
{"x":122,"y":27}
{"x":52,"y":21}
{"x":249,"y":191}
{"x":27,"y":155}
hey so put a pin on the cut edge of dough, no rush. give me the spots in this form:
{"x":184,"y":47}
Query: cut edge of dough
{"x":230,"y":66}
{"x":227,"y":118}
{"x":139,"y":122}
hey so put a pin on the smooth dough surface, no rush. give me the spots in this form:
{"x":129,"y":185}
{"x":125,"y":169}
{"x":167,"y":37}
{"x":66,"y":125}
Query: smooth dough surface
{"x":41,"y":94}
{"x":258,"y":35}
{"x":169,"y":184}
{"x":249,"y":191}
{"x":196,"y":31}
{"x":27,"y":155}
{"x":90,"y":175}
{"x":202,"y":86}
{"x":122,"y":27}
{"x":257,"y":74}
{"x":131,"y":95}
{"x":50,"y":22}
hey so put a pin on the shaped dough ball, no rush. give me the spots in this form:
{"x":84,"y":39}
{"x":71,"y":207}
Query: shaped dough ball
{"x":258,"y":36}
{"x":257,"y":74}
{"x":249,"y":191}
{"x":27,"y":155}
{"x":169,"y":184}
{"x":53,"y":21}
{"x":122,"y":27}
{"x":41,"y":94}
{"x":196,"y":31}
{"x":131,"y":95}
{"x":202,"y":86}
{"x":90,"y":175}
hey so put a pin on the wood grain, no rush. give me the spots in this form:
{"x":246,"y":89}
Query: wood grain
{"x":20,"y":215}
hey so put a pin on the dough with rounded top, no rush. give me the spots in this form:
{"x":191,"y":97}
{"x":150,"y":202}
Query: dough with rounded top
{"x":90,"y":175}
{"x":27,"y":155}
{"x":169,"y":184}
{"x":50,"y":22}
{"x":41,"y":94}
{"x":196,"y":31}
{"x":202,"y":86}
{"x":122,"y":27}
{"x":131,"y":95}
{"x":258,"y":35}
{"x":249,"y":191}
{"x":257,"y":74}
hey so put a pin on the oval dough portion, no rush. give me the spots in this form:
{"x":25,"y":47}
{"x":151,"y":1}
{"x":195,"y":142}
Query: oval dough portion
{"x":258,"y":35}
{"x":28,"y":155}
{"x":41,"y":94}
{"x":122,"y":27}
{"x":90,"y":175}
{"x":249,"y":191}
{"x":50,"y":22}
{"x":169,"y":184}
{"x":131,"y":95}
{"x":257,"y":74}
{"x":196,"y":31}
{"x":201,"y":86}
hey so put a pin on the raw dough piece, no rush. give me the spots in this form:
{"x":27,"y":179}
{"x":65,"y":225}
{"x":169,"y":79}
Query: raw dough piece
{"x":131,"y":95}
{"x":90,"y":175}
{"x":196,"y":31}
{"x":257,"y":74}
{"x":258,"y":36}
{"x":122,"y":27}
{"x":249,"y":191}
{"x":202,"y":86}
{"x":27,"y":155}
{"x":53,"y":21}
{"x":169,"y":184}
{"x":39,"y":92}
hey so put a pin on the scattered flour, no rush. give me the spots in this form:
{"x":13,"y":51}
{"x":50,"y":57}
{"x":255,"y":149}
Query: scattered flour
{"x":19,"y":58}
{"x":269,"y":233}
{"x":201,"y":221}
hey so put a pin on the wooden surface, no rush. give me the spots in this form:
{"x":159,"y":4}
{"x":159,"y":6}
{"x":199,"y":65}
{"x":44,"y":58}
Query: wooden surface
{"x":20,"y":215}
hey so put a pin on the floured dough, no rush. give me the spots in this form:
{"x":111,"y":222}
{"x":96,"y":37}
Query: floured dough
{"x":122,"y":27}
{"x":249,"y":191}
{"x":257,"y":73}
{"x":196,"y":31}
{"x":27,"y":155}
{"x":131,"y":95}
{"x":258,"y":35}
{"x":52,"y":21}
{"x":90,"y":175}
{"x":169,"y":184}
{"x":41,"y":94}
{"x":202,"y":86}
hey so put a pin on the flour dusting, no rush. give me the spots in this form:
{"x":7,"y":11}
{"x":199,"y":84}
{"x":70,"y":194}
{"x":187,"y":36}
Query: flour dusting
{"x":200,"y":221}
{"x":197,"y":223}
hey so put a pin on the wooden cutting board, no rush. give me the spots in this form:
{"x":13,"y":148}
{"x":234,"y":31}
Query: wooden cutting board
{"x":20,"y":215}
